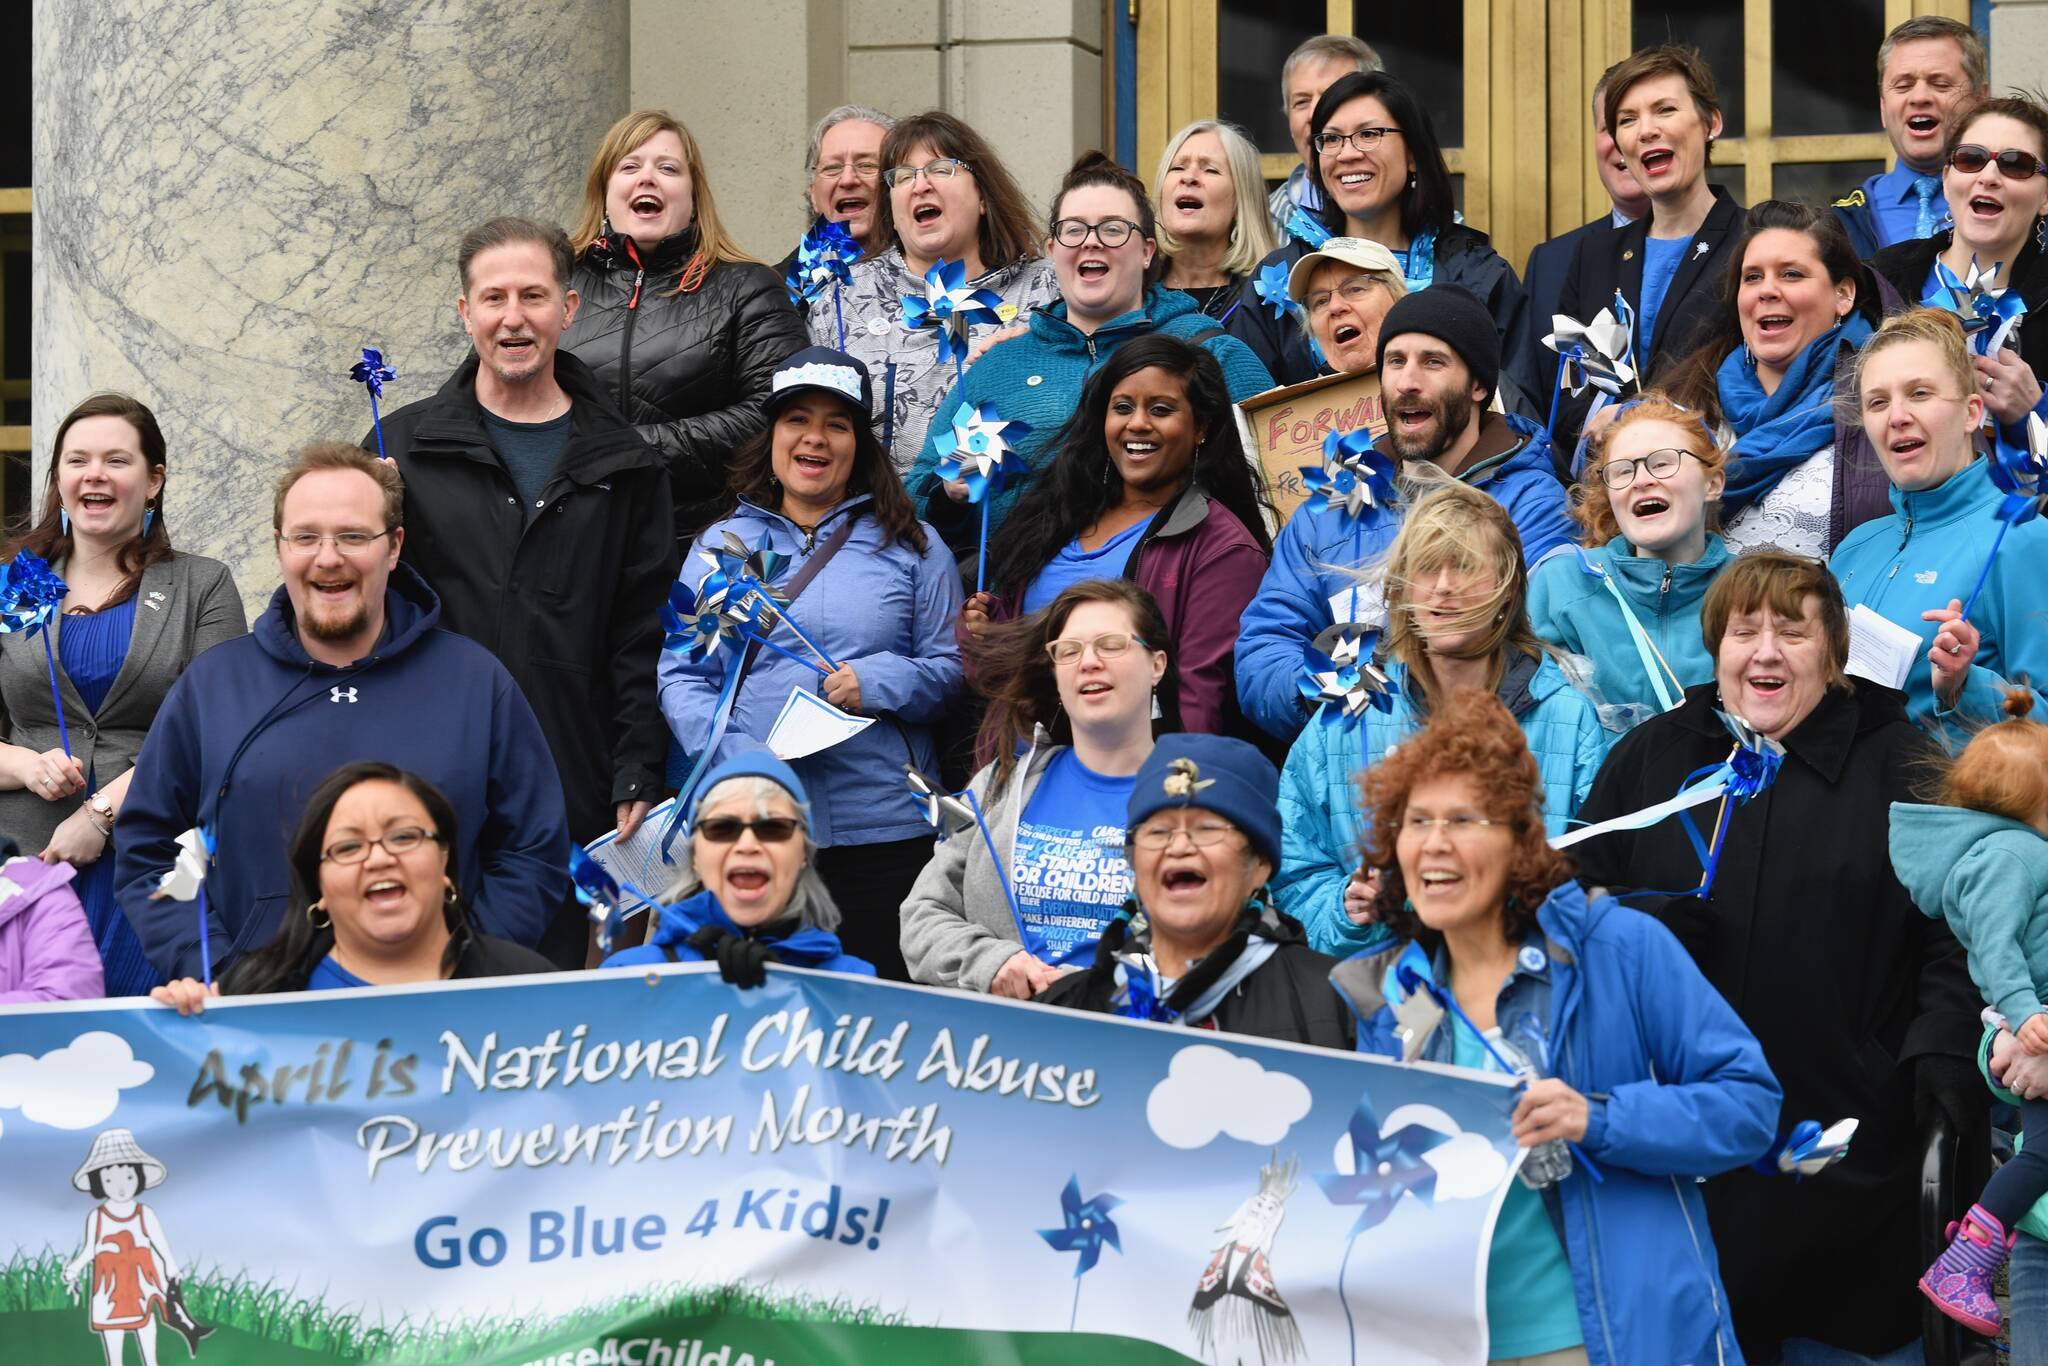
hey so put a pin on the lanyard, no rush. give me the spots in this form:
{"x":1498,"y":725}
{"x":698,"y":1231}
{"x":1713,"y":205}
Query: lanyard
{"x":1646,"y":649}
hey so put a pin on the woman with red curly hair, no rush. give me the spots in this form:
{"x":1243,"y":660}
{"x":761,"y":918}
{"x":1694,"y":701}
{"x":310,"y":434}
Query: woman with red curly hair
{"x":1631,"y":1060}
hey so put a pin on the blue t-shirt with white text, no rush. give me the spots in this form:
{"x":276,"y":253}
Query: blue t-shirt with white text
{"x":1069,"y":860}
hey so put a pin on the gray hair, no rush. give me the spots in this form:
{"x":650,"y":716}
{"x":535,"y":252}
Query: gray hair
{"x":1329,"y":47}
{"x":845,"y":113}
{"x":809,"y":901}
{"x":1251,"y":231}
{"x":1976,"y":64}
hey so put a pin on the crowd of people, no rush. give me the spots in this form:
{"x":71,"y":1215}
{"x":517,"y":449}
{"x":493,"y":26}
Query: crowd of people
{"x":1551,"y":612}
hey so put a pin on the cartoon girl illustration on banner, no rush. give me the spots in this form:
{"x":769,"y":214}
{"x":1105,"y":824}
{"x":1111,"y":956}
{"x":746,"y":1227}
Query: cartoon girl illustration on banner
{"x":1236,"y":1298}
{"x":135,"y":1277}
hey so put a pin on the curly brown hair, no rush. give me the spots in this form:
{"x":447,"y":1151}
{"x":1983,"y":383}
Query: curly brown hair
{"x":1470,"y":734}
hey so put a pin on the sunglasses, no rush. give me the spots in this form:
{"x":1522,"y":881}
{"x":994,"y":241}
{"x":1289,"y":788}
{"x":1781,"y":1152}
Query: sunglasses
{"x":2013,"y":163}
{"x":768,"y":829}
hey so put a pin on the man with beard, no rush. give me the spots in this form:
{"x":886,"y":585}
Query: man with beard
{"x":347,"y":663}
{"x":542,"y":520}
{"x":1439,"y":363}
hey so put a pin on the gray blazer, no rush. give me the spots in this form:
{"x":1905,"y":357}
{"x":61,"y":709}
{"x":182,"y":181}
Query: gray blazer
{"x":184,"y":605}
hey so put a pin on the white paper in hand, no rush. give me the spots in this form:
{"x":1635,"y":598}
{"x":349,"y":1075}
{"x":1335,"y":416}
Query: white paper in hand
{"x":1880,"y":649}
{"x":809,"y":723}
{"x":638,"y":860}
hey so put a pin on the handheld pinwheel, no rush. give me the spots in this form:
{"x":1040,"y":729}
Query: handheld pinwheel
{"x":2022,"y":476}
{"x":603,"y":896}
{"x":749,"y":599}
{"x":950,"y":812}
{"x":1808,"y":1149}
{"x":1596,"y":355}
{"x":1988,"y":314}
{"x":1271,"y":287}
{"x":31,"y":595}
{"x":975,"y":451}
{"x":1086,"y":1228}
{"x":1355,"y":475}
{"x":949,"y":307}
{"x":373,"y":374}
{"x":1337,"y":678}
{"x":824,"y":258}
{"x":186,"y":881}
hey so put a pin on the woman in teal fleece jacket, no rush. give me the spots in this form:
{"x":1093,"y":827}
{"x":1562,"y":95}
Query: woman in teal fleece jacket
{"x":1104,"y":302}
{"x":1456,"y":618}
{"x":1629,"y":603}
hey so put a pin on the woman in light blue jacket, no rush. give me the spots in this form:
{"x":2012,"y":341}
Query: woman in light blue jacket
{"x":817,"y":483}
{"x":1456,"y":618}
{"x":1629,"y":603}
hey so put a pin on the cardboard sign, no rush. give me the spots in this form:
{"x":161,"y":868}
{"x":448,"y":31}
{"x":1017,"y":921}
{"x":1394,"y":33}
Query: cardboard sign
{"x":1283,"y":429}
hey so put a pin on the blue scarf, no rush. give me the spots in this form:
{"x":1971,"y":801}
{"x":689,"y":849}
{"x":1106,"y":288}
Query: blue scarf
{"x":1775,"y":433}
{"x":800,"y":948}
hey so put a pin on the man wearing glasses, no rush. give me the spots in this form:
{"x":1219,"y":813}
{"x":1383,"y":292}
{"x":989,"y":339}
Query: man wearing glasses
{"x":347,"y":663}
{"x":844,"y":175}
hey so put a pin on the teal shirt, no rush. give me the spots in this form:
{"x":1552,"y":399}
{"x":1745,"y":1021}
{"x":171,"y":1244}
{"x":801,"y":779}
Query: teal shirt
{"x":1987,"y":876}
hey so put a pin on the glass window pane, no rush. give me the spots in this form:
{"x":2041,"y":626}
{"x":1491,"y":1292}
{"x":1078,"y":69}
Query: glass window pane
{"x":1819,"y":183}
{"x":1715,"y":28}
{"x":1253,"y":38}
{"x":1731,"y":176}
{"x":1822,"y":75}
{"x":1424,"y":46}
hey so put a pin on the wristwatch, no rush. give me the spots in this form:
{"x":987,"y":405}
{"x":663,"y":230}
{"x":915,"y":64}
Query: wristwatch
{"x":100,"y":812}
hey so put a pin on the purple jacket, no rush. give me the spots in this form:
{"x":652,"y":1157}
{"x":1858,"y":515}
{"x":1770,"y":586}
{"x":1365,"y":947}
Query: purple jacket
{"x":46,"y":950}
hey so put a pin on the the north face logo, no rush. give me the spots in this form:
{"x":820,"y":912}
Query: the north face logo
{"x":341,"y":694}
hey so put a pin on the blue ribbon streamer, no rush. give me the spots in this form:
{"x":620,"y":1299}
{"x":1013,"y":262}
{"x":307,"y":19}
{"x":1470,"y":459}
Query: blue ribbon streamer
{"x":720,"y":719}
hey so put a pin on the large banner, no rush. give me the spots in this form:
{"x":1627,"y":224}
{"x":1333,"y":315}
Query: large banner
{"x":657,"y":1169}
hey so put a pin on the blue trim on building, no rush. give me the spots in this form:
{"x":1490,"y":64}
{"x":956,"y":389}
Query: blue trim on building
{"x":1124,"y":66}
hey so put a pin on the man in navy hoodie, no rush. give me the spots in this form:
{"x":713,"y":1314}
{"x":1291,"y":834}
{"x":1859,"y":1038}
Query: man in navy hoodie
{"x":347,"y":663}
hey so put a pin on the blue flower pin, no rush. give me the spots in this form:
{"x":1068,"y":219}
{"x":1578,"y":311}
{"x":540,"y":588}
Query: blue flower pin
{"x":1271,"y":287}
{"x":949,"y":306}
{"x":1086,"y":1227}
{"x":1376,"y":1169}
{"x":1354,"y":474}
{"x":373,"y":374}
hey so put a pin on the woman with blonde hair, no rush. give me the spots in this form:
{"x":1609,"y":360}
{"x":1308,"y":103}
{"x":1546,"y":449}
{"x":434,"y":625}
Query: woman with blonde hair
{"x":683,"y":328}
{"x":1213,"y":228}
{"x":1457,"y":617}
{"x":1628,"y":602}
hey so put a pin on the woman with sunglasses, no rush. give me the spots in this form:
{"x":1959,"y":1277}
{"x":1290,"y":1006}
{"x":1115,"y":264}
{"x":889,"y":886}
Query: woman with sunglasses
{"x":1995,"y":179}
{"x":373,"y":900}
{"x":1072,"y":691}
{"x":1102,"y":240}
{"x":749,"y":893}
{"x":944,"y":196}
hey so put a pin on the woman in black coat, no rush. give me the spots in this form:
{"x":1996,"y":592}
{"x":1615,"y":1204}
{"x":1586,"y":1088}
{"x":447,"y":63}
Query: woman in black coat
{"x":1862,"y":1004}
{"x":681,"y":327}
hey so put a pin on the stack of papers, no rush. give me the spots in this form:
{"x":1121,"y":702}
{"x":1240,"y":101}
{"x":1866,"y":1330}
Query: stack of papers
{"x":638,"y":860}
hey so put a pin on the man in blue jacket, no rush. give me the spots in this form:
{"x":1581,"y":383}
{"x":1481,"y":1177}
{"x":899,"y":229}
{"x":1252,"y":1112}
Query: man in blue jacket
{"x":1439,"y":363}
{"x":1927,"y":68}
{"x":346,"y":664}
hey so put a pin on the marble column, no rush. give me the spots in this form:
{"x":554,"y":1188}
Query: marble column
{"x":231,"y":199}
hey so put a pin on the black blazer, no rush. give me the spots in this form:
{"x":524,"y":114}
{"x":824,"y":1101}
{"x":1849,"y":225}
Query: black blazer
{"x":1543,"y":282}
{"x":1614,"y":260}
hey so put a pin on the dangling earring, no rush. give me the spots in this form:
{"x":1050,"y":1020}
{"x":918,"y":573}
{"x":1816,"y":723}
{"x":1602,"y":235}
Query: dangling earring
{"x":64,"y":517}
{"x":451,"y":896}
{"x":148,"y":521}
{"x":314,"y":919}
{"x":2041,"y":233}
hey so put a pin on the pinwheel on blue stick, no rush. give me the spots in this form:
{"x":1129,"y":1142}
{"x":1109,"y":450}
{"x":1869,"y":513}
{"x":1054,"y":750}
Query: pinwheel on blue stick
{"x":951,"y":812}
{"x":1988,"y":315}
{"x":31,"y":595}
{"x":186,"y":881}
{"x":1355,"y":475}
{"x":373,"y":374}
{"x":1337,"y":678}
{"x":750,"y":599}
{"x":1596,"y":355}
{"x":976,"y":452}
{"x":1807,"y":1149}
{"x":603,"y":896}
{"x":1086,"y":1228}
{"x":949,"y":306}
{"x":2022,"y":476}
{"x":824,"y":259}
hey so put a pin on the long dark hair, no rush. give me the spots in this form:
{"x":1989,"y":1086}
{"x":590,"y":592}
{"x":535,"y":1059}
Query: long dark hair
{"x":1013,"y":671}
{"x":1081,"y":482}
{"x":753,"y":478}
{"x":1429,"y":202}
{"x":1695,"y":382}
{"x":47,"y":536}
{"x":287,"y":961}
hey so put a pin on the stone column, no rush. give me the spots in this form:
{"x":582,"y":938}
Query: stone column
{"x":230,"y":201}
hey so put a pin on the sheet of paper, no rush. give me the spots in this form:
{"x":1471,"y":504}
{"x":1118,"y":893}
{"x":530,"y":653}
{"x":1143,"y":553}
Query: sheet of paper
{"x":1881,"y":650}
{"x":809,"y":723}
{"x":1364,"y":605}
{"x":638,"y":860}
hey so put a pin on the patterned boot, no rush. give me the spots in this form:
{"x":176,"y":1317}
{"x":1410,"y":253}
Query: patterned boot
{"x":1959,"y":1282}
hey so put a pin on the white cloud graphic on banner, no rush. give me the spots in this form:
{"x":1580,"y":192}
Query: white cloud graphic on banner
{"x":73,"y":1087}
{"x":1467,"y":1167}
{"x":1210,"y":1091}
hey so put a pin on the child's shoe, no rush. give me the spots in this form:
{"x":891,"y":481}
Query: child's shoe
{"x":1959,"y":1282}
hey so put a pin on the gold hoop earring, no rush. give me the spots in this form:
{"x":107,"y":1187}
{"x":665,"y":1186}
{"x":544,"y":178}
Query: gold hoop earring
{"x":313,"y":918}
{"x":451,"y":896}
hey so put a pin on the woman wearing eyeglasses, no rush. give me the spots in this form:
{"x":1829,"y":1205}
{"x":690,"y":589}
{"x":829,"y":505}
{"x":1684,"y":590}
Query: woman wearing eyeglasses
{"x":1629,"y":602}
{"x":373,"y":902}
{"x":1995,"y":179}
{"x":749,"y":893}
{"x":1072,"y":691}
{"x":1380,"y":172}
{"x":944,"y":196}
{"x":1102,"y":239}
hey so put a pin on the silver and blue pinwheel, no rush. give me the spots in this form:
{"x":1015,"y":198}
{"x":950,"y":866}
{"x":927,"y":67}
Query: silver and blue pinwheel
{"x":1989,"y":314}
{"x":185,"y":880}
{"x":949,"y":306}
{"x":944,"y":811}
{"x":976,"y":451}
{"x":1808,"y":1149}
{"x":1337,"y":677}
{"x":603,"y":896}
{"x":1355,"y":474}
{"x":2022,"y":477}
{"x":1754,"y":764}
{"x":692,"y":626}
{"x":824,"y":260}
{"x":1597,"y":355}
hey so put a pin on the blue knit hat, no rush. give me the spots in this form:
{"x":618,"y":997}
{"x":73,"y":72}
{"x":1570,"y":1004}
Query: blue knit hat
{"x":757,"y":763}
{"x":1217,"y":774}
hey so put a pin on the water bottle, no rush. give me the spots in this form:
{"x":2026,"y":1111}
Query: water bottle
{"x":1547,"y":1163}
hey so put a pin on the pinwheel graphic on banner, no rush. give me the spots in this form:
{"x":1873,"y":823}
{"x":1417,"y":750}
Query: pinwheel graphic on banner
{"x":824,"y":260}
{"x":1807,"y":1149}
{"x":949,"y":305}
{"x":1085,"y":1228}
{"x":604,"y":897}
{"x":1596,"y":355}
{"x":186,"y":881}
{"x":975,"y":452}
{"x":1339,"y":681}
{"x":373,"y":374}
{"x":1989,"y":314}
{"x":2019,"y":475}
{"x":1355,"y":475}
{"x":31,"y":595}
{"x":1375,"y":1171}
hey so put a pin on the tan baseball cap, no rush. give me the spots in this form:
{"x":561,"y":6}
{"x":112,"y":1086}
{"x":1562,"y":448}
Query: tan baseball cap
{"x":1361,"y":252}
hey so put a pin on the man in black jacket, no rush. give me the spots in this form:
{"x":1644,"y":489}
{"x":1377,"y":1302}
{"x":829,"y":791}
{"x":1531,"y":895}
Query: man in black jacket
{"x":543,"y":521}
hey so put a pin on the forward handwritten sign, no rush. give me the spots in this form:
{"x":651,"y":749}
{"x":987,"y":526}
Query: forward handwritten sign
{"x":1283,"y":429}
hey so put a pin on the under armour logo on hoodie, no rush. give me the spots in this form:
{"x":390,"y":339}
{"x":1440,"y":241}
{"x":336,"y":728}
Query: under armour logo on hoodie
{"x":341,"y":695}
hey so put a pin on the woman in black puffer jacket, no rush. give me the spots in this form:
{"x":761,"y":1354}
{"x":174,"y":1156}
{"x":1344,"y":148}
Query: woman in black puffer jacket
{"x":681,"y":326}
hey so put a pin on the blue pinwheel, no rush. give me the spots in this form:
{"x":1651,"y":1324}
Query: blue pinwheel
{"x":1988,"y":314}
{"x":1085,"y":1228}
{"x":31,"y":595}
{"x":603,"y":895}
{"x":824,"y":258}
{"x":1337,"y":678}
{"x":692,"y":626}
{"x":1807,"y":1149}
{"x":974,"y":451}
{"x":1375,"y":1171}
{"x":1355,"y":475}
{"x":743,"y":576}
{"x":2022,"y":476}
{"x":373,"y":374}
{"x":1596,"y":355}
{"x":949,"y":305}
{"x":1756,"y":759}
{"x":1271,"y":287}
